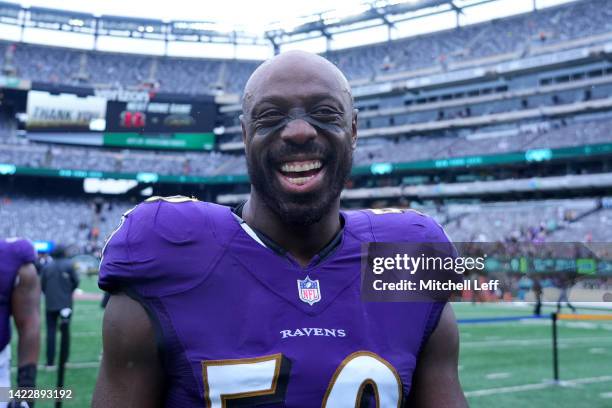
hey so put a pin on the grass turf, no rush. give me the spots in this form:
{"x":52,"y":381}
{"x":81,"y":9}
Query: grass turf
{"x":494,"y":358}
{"x":505,"y":355}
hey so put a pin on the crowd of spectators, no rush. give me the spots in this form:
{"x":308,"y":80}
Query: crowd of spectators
{"x":522,"y":34}
{"x":85,"y":223}
{"x":126,"y":161}
{"x":524,"y":221}
{"x":76,"y":67}
{"x":595,"y":227}
{"x":539,"y":135}
{"x":512,"y":138}
{"x":518,"y":34}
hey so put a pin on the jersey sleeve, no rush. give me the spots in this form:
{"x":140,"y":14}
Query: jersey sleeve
{"x":160,"y":247}
{"x":412,"y":231}
{"x":425,"y":229}
{"x":433,"y":319}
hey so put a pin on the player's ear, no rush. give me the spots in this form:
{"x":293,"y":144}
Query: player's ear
{"x":354,"y":128}
{"x":243,"y":127}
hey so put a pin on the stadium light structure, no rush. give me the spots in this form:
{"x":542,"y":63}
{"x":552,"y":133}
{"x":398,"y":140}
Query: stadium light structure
{"x":41,"y":17}
{"x":368,"y":14}
{"x":374,"y":13}
{"x":211,"y":32}
{"x":10,"y":12}
{"x":132,"y":27}
{"x":124,"y":27}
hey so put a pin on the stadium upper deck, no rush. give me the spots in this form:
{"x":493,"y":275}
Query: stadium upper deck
{"x":543,"y":31}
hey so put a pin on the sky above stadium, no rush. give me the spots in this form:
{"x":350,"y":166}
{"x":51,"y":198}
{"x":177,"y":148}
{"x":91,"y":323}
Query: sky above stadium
{"x":252,"y":17}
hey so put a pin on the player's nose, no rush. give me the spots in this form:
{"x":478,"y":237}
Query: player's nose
{"x":298,"y":131}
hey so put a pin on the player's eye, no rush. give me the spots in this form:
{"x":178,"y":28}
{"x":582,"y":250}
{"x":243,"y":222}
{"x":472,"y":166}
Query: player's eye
{"x":267,"y":119}
{"x":270,"y":114}
{"x":326,"y":113}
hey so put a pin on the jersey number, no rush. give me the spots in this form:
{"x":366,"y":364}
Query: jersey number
{"x":245,"y":382}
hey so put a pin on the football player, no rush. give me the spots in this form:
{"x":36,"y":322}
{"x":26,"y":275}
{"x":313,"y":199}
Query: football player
{"x":20,"y":297}
{"x":260,"y":304}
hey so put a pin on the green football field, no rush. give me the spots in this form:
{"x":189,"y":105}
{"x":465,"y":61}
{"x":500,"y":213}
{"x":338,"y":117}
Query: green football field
{"x":502,"y":364}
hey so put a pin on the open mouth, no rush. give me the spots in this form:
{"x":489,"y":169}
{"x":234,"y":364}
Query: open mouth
{"x":301,"y":176}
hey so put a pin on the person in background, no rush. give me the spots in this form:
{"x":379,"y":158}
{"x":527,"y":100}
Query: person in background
{"x":58,"y":280}
{"x":19,"y":297}
{"x":564,"y":285}
{"x":537,"y":291}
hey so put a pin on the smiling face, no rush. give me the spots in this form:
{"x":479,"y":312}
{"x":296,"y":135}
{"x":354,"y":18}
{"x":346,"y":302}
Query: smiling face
{"x":299,"y":131}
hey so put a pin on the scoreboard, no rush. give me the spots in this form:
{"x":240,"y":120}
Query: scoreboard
{"x":63,"y":112}
{"x":135,"y":119}
{"x":162,"y":122}
{"x":160,"y":117}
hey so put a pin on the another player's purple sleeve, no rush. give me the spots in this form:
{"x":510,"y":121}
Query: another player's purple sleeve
{"x":26,"y":251}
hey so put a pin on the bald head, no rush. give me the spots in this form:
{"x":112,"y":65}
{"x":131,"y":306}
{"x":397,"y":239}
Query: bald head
{"x":298,"y":108}
{"x":298,"y":67}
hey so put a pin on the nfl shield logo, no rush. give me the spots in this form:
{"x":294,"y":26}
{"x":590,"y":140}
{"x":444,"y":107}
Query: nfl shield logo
{"x":309,"y":290}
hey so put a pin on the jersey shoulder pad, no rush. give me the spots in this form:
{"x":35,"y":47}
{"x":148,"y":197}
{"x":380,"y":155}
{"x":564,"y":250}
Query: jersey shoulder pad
{"x":161,"y":246}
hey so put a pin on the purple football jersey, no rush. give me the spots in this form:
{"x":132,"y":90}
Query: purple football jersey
{"x":240,"y":324}
{"x":14,"y":253}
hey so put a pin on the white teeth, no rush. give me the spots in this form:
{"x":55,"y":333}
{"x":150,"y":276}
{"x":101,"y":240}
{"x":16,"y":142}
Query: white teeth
{"x":294,"y":167}
{"x":299,"y":180}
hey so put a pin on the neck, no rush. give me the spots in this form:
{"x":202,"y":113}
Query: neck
{"x":302,"y":242}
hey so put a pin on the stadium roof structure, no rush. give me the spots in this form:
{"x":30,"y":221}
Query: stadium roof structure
{"x":368,"y":14}
{"x":118,"y":26}
{"x":375,"y":13}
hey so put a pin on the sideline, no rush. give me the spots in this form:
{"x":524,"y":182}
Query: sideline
{"x":538,"y":386}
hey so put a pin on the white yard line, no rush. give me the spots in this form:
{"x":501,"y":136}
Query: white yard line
{"x":533,"y":342}
{"x":497,"y":376}
{"x":537,"y":386}
{"x":86,"y":334}
{"x":82,"y":364}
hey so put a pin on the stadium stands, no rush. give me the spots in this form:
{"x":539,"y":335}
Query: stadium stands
{"x":595,"y":227}
{"x":526,"y":34}
{"x":75,"y":222}
{"x":56,"y":65}
{"x":59,"y":219}
{"x":520,"y":35}
{"x":551,"y":134}
{"x":555,"y":134}
{"x":127,"y":161}
{"x":520,"y":221}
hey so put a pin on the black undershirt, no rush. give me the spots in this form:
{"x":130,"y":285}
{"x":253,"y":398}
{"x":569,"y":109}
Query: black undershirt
{"x":323,"y":254}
